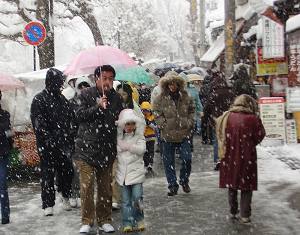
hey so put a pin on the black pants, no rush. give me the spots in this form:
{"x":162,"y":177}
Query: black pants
{"x":206,"y":130}
{"x":149,"y":154}
{"x":61,"y":167}
{"x":245,"y":202}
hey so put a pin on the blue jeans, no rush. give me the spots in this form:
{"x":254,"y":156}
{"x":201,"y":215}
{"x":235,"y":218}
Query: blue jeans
{"x":132,"y":204}
{"x":169,"y":162}
{"x":5,"y":211}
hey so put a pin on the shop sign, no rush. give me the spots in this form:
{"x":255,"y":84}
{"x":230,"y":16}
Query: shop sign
{"x":273,"y":66}
{"x":272,"y":38}
{"x":272,"y":116}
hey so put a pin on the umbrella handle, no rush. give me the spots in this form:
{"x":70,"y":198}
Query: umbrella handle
{"x":103,"y":95}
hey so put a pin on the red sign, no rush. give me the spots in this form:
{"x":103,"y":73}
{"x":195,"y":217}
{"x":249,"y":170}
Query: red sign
{"x":34,"y":33}
{"x":271,"y":100}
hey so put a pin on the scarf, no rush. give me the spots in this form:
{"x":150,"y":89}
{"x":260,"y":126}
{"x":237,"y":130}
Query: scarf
{"x":221,"y":124}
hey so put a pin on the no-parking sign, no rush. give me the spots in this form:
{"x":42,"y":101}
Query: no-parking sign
{"x":34,"y":33}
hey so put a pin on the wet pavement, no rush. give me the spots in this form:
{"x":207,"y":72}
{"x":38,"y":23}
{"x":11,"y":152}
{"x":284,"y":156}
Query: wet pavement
{"x":203,"y":211}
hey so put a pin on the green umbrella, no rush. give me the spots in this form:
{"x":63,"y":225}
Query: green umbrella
{"x":135,"y":74}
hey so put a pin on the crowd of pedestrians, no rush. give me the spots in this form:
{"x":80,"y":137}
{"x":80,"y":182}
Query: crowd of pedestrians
{"x":101,"y":141}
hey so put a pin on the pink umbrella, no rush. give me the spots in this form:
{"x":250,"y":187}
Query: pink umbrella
{"x":86,"y":61}
{"x":8,"y":82}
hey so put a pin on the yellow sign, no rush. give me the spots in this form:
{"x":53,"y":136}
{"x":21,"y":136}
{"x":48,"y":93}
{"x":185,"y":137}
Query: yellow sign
{"x":270,"y":66}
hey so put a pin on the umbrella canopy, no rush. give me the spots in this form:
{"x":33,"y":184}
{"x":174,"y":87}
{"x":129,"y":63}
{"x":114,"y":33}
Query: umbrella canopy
{"x":194,"y":77}
{"x":164,"y":68}
{"x":86,"y":61}
{"x":197,"y":70}
{"x":135,"y":74}
{"x":8,"y":82}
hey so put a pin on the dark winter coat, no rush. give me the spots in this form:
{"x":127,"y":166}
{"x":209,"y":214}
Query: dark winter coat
{"x":174,"y":119}
{"x":144,"y":95}
{"x":242,"y":83}
{"x":238,"y":168}
{"x":5,"y":141}
{"x":96,"y":142}
{"x":51,"y":117}
{"x":219,"y":99}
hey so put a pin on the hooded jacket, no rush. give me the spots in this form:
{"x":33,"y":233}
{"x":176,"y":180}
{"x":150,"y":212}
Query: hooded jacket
{"x":130,"y":168}
{"x":174,"y":119}
{"x":51,"y":116}
{"x":150,"y":123}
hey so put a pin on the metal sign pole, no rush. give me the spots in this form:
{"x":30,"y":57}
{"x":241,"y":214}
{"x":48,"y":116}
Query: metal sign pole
{"x":34,"y":58}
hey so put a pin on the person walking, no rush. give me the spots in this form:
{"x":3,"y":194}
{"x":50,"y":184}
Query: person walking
{"x":174,"y":112}
{"x":51,"y":116}
{"x":81,"y":83}
{"x":150,"y":137}
{"x":239,"y":130}
{"x":96,"y":148}
{"x":130,"y":173}
{"x":6,"y":144}
{"x":218,"y":101}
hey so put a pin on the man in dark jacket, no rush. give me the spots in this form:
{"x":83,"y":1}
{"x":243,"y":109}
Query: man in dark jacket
{"x":51,"y":117}
{"x":218,"y":101}
{"x":5,"y":147}
{"x":96,"y":148}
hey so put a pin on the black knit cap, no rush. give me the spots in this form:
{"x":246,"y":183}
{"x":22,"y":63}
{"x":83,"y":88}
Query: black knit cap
{"x":54,"y":79}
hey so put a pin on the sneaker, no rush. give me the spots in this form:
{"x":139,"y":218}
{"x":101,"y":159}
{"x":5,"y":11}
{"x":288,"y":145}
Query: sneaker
{"x":5,"y":221}
{"x":107,"y":228}
{"x":73,"y":202}
{"x":172,"y":192}
{"x":141,"y":226}
{"x":85,"y":228}
{"x":115,"y":206}
{"x":127,"y":229}
{"x":186,"y":188}
{"x":66,"y":204}
{"x":245,"y":220}
{"x":48,"y":211}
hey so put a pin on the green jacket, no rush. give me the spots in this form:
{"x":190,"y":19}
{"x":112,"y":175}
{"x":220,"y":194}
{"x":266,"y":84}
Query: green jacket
{"x":175,"y":120}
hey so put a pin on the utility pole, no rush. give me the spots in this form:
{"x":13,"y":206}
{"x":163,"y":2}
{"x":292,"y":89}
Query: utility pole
{"x":230,"y":36}
{"x":193,"y":19}
{"x":118,"y":32}
{"x":202,"y":46}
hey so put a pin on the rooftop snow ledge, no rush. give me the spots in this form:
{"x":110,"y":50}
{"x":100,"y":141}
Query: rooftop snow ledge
{"x":293,"y":23}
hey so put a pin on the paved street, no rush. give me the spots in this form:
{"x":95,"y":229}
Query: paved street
{"x":203,"y":211}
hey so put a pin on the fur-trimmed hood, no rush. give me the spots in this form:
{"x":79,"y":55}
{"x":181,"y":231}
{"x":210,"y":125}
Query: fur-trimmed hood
{"x":172,"y":77}
{"x":129,"y":115}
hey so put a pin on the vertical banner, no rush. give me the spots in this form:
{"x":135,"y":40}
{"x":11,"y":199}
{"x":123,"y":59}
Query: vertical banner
{"x":272,"y":38}
{"x":273,"y":119}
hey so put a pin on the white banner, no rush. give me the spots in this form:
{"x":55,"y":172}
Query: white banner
{"x":272,"y":38}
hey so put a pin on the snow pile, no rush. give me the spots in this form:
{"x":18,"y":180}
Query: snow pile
{"x":293,"y":23}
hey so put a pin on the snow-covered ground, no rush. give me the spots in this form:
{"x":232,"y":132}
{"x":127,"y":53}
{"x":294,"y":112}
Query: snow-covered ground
{"x":275,"y":208}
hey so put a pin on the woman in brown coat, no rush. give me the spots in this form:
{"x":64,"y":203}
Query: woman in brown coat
{"x":239,"y":130}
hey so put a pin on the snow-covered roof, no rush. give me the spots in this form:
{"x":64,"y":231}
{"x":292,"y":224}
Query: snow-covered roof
{"x":293,"y":23}
{"x":218,"y":46}
{"x":40,"y":74}
{"x":215,"y":50}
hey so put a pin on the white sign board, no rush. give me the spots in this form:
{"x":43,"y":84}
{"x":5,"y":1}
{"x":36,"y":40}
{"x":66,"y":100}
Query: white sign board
{"x":292,"y":99}
{"x":272,"y":38}
{"x":291,"y":131}
{"x":272,"y":115}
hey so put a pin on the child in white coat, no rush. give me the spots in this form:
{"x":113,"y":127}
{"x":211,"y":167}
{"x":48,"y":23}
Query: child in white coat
{"x":130,"y":170}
